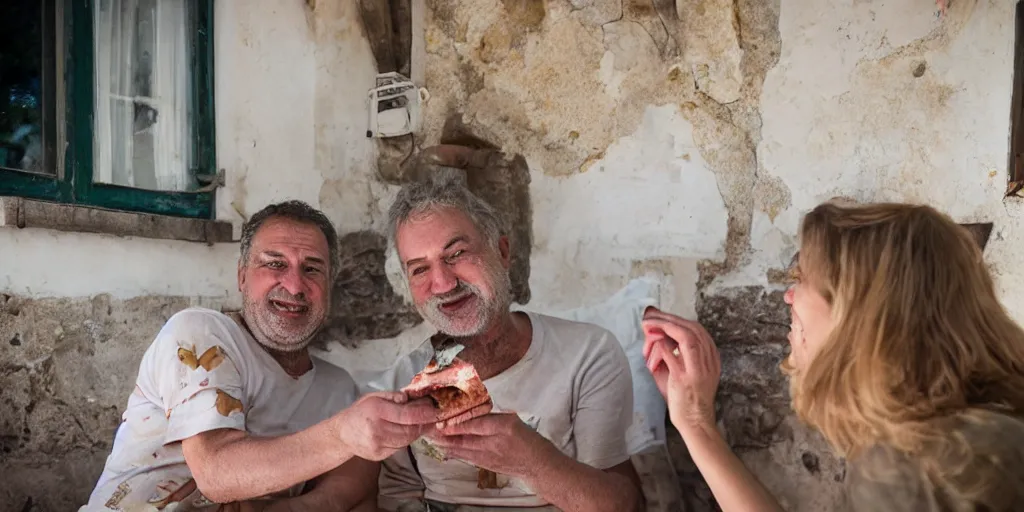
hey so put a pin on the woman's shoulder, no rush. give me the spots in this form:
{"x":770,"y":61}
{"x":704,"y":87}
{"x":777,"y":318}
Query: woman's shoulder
{"x":978,"y":459}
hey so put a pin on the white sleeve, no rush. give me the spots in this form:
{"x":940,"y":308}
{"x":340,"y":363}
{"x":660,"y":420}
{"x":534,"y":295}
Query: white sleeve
{"x":605,"y":408}
{"x":199,"y":382}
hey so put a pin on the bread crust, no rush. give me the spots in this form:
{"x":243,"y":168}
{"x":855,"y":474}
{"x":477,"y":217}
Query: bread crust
{"x":455,"y":389}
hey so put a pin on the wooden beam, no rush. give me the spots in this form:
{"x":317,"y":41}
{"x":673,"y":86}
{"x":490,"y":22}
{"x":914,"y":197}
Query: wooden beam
{"x":376,"y":16}
{"x":401,"y":41}
{"x":18,"y":212}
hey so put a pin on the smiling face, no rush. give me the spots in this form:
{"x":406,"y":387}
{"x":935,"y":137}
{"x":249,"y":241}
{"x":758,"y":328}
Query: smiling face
{"x":458,"y":281}
{"x":811,"y":319}
{"x":285,"y":283}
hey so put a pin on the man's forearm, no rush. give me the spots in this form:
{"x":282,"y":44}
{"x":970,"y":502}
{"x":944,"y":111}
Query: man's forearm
{"x":233,"y":466}
{"x":576,"y":487}
{"x":733,"y":485}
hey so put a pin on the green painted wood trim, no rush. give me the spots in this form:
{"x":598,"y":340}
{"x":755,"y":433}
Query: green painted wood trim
{"x":204,"y":130}
{"x":197,"y":205}
{"x":78,"y":83}
{"x":80,"y":122}
{"x":36,"y":186}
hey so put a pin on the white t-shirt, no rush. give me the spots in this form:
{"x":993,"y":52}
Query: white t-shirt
{"x":573,"y":386}
{"x":205,"y":372}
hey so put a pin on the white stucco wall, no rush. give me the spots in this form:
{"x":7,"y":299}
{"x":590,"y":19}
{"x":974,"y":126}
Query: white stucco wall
{"x":842,"y":114}
{"x":290,"y":114}
{"x":652,"y":197}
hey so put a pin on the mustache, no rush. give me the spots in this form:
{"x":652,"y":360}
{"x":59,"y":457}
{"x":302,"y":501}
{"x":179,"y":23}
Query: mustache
{"x":282,"y":295}
{"x":461,"y":291}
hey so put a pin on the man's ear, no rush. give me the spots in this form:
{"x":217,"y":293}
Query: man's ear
{"x":505,"y":251}
{"x":241,"y":275}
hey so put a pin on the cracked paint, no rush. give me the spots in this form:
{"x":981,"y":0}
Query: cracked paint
{"x":712,"y":43}
{"x":714,"y":130}
{"x":568,"y":79}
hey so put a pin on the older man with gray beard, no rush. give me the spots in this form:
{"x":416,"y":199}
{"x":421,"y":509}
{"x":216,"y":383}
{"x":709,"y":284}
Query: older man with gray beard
{"x":231,"y":409}
{"x":561,"y":390}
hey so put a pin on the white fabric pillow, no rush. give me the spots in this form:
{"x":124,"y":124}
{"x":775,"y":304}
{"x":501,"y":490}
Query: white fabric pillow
{"x":621,"y":314}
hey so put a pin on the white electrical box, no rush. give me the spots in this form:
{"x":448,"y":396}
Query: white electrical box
{"x":394,"y":106}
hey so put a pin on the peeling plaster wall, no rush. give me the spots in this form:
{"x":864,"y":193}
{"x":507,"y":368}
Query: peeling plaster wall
{"x":676,"y":138}
{"x":686,"y":138}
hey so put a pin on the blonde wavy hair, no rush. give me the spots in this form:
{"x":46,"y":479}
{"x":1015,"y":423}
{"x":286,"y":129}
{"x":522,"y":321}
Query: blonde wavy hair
{"x":919,"y":337}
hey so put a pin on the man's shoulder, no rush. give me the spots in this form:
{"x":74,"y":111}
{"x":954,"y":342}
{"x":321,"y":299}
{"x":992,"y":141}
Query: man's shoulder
{"x":199,"y":329}
{"x":580,"y":344}
{"x":573,"y":332}
{"x":197,"y":318}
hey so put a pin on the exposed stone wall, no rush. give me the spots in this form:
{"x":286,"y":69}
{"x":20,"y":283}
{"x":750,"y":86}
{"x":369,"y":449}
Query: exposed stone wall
{"x":66,"y":370}
{"x":68,"y":366}
{"x":750,"y":325}
{"x":363,"y":304}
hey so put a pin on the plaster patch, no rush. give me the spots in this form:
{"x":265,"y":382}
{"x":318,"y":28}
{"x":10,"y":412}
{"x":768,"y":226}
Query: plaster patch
{"x":675,"y":208}
{"x":577,"y":85}
{"x":771,"y":196}
{"x":712,"y":46}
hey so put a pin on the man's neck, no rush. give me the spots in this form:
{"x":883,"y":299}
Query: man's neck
{"x":500,"y":346}
{"x":295,"y":363}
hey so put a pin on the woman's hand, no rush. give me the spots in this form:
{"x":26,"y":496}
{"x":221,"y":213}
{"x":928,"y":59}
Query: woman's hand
{"x":686,"y":367}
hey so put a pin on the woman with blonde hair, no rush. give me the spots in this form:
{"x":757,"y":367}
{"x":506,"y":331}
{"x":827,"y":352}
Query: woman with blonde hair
{"x":901,"y":356}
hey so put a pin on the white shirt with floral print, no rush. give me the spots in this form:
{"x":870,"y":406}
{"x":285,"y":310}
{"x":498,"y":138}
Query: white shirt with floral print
{"x":205,"y":372}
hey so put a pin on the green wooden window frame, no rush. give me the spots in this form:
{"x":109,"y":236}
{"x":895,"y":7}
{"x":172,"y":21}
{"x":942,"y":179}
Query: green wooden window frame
{"x":75,"y":184}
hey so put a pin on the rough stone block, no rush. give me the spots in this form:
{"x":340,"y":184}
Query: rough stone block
{"x":981,"y":232}
{"x":750,"y":325}
{"x":67,"y":367}
{"x":388,"y":26}
{"x":745,"y":315}
{"x":401,"y":26}
{"x":597,"y":12}
{"x":712,"y":46}
{"x":363,"y":304}
{"x":659,"y":481}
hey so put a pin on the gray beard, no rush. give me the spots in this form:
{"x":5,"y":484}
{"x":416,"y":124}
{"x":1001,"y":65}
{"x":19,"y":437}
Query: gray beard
{"x":262,"y":327}
{"x":489,"y":308}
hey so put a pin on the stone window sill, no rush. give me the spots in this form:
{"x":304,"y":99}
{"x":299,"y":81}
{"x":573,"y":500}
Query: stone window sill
{"x":18,"y":212}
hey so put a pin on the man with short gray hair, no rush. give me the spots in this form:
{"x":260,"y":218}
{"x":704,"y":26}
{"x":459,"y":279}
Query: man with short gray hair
{"x":232,"y":409}
{"x":561,"y":390}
